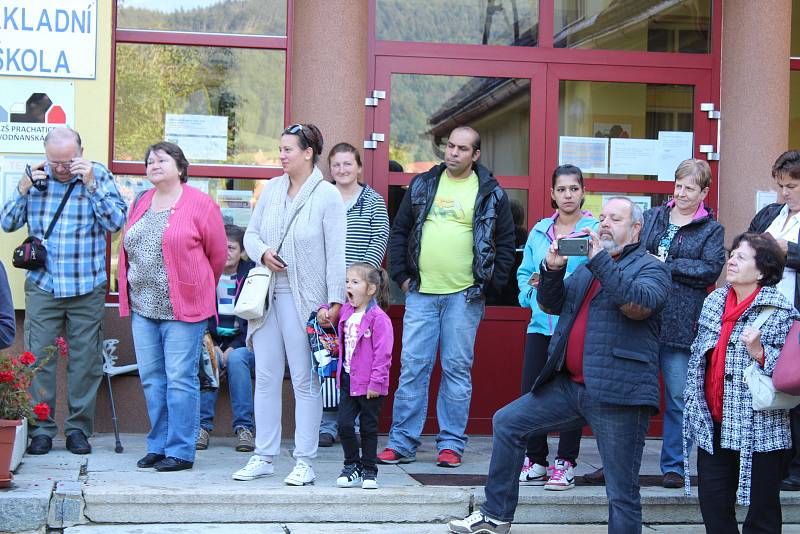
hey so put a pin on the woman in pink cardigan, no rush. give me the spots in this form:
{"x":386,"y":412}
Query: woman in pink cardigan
{"x":172,"y":255}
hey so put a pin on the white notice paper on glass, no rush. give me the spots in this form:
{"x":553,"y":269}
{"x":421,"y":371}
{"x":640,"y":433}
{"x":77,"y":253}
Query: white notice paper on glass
{"x":764,"y":199}
{"x":634,"y":156}
{"x":674,"y":147}
{"x":201,"y":137}
{"x":588,"y":153}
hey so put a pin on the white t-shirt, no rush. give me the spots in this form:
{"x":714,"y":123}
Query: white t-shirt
{"x":350,"y":338}
{"x":781,"y":229}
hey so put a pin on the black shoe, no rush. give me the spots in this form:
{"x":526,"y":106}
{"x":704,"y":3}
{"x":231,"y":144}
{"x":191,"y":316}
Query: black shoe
{"x":792,"y":483}
{"x":170,"y":463}
{"x":596,"y":478}
{"x":149,"y":460}
{"x":325,"y":439}
{"x":40,"y":444}
{"x":78,"y":444}
{"x":672,"y":480}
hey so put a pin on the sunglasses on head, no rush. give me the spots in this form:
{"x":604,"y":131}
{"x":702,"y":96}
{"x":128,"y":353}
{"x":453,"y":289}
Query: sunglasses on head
{"x":295,"y":129}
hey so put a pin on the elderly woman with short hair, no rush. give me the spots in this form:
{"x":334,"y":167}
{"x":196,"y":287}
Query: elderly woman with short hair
{"x":740,"y":450}
{"x":684,"y":235}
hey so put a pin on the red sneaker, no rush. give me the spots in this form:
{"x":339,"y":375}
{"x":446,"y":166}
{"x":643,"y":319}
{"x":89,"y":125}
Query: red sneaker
{"x":391,"y":457}
{"x":448,"y":458}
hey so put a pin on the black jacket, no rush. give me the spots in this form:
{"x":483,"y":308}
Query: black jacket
{"x":695,"y":259}
{"x":760,"y":223}
{"x":239,"y":339}
{"x":620,"y":356}
{"x":492,"y":230}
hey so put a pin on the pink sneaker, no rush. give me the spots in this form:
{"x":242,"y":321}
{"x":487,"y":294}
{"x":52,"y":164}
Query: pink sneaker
{"x":562,"y":478}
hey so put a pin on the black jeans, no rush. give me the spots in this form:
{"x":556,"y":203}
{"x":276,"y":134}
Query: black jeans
{"x":718,"y":478}
{"x":368,"y":410}
{"x":569,"y":442}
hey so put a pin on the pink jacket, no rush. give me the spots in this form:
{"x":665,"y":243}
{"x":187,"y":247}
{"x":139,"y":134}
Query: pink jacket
{"x":372,"y":357}
{"x":195,"y":249}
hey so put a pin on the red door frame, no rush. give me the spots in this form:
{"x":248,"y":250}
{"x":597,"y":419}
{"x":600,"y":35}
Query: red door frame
{"x":387,"y":57}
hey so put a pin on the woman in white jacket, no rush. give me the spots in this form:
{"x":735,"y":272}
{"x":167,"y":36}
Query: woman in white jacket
{"x":297,"y":231}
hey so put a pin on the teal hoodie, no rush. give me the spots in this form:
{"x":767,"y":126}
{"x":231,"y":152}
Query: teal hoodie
{"x":535,"y":251}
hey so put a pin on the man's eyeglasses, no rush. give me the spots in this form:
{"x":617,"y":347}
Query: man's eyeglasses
{"x":55,"y":164}
{"x":295,"y":129}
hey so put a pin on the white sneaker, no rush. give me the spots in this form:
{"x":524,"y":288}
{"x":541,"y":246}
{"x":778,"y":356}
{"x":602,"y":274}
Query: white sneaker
{"x":301,"y":475}
{"x":562,"y":477}
{"x":369,"y":480}
{"x":476,"y":523}
{"x":533,"y":474}
{"x":256,"y":467}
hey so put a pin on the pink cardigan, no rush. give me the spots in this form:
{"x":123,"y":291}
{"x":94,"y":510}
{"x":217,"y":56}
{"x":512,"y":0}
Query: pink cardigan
{"x":195,"y":249}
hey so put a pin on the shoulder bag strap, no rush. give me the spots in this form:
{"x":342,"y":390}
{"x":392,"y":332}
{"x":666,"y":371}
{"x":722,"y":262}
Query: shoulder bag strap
{"x":763,"y":315}
{"x":291,"y":220}
{"x":59,"y":210}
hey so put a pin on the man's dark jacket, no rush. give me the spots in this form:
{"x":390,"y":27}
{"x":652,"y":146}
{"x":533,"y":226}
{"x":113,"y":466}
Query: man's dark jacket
{"x":492,"y":230}
{"x":760,"y":223}
{"x":695,"y":259}
{"x":620,"y":357}
{"x":241,"y":325}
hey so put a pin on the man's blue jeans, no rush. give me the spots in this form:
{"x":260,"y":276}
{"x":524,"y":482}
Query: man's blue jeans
{"x":449,"y":323}
{"x":239,"y":368}
{"x":674,"y":367}
{"x":564,"y":405}
{"x":168,"y":354}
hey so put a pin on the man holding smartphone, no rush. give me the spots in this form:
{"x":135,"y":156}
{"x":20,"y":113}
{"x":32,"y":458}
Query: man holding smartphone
{"x":602,"y":372}
{"x":67,"y":297}
{"x":452,"y":241}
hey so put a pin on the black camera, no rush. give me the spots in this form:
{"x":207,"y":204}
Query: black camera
{"x":573,"y":246}
{"x":40,"y":183}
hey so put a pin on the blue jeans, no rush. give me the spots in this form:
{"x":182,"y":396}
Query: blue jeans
{"x":447,"y":322}
{"x":674,"y":366}
{"x":564,"y":405}
{"x":240,"y":367}
{"x":168,"y":353}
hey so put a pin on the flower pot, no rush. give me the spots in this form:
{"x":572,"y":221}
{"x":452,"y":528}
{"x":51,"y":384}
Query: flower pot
{"x":8,"y":434}
{"x":20,"y":443}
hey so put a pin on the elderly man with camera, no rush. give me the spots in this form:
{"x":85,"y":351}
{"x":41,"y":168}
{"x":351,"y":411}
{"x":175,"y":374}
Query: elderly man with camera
{"x":68,"y":203}
{"x":602,"y":372}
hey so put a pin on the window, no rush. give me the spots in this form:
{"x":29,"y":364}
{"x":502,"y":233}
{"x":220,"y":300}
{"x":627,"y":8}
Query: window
{"x":209,"y":75}
{"x":492,"y":22}
{"x":641,"y":25}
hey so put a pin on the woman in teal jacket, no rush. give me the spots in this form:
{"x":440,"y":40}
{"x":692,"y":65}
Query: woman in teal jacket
{"x":567,"y":194}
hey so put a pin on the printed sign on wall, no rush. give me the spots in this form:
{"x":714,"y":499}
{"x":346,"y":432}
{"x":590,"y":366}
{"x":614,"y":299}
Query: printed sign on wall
{"x":31,"y":108}
{"x":48,"y":38}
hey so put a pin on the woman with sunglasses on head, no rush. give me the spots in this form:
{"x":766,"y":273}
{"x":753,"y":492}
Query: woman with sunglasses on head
{"x":367,"y":234}
{"x":295,"y":232}
{"x":567,"y":196}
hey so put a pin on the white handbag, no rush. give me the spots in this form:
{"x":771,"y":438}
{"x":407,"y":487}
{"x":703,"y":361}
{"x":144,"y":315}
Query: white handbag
{"x":252,"y":300}
{"x":765,"y":396}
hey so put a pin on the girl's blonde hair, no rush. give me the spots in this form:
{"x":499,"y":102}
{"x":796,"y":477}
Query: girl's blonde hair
{"x":377,"y":277}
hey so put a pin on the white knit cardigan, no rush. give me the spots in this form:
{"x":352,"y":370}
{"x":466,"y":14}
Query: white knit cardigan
{"x":314,"y":246}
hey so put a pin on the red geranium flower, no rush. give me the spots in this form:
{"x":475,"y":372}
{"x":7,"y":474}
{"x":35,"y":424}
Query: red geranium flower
{"x":6,"y":376}
{"x":27,"y":358}
{"x":42,"y":410}
{"x":62,"y":347}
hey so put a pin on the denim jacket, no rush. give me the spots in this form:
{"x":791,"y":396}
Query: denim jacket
{"x":372,"y":356}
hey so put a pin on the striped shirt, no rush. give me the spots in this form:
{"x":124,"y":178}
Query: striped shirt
{"x":76,"y":250}
{"x":367,"y":228}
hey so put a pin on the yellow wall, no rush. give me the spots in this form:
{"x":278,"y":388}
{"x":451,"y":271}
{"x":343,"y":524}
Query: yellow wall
{"x":92,"y":112}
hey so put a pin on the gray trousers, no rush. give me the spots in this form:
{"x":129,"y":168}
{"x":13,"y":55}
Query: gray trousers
{"x":283,"y":338}
{"x":80,"y":319}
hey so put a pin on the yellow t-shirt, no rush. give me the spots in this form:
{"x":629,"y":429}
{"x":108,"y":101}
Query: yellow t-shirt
{"x":445,"y":256}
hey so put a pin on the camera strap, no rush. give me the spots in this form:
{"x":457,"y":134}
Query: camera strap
{"x":59,"y":210}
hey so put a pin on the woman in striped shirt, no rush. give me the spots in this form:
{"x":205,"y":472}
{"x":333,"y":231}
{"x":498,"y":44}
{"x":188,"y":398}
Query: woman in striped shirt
{"x":367,"y":232}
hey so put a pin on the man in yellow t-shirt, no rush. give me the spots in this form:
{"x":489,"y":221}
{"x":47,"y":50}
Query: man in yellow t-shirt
{"x":452,"y":240}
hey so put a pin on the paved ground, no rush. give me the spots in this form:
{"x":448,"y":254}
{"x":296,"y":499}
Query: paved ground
{"x":111,"y":490}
